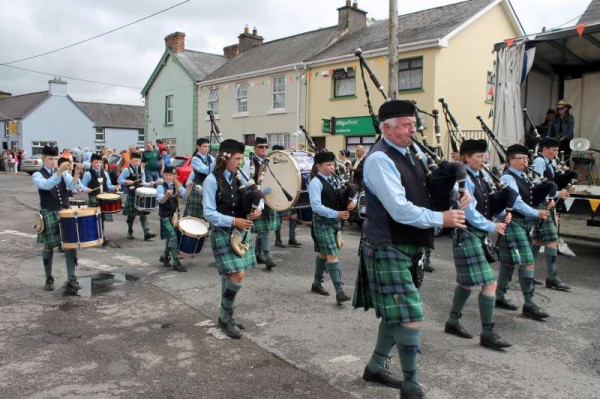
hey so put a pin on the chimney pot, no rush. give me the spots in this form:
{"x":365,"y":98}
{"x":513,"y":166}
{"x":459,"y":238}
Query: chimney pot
{"x":348,"y":3}
{"x":254,"y":31}
{"x":246,"y":29}
{"x":247,"y":40}
{"x":175,"y":42}
{"x":355,"y":4}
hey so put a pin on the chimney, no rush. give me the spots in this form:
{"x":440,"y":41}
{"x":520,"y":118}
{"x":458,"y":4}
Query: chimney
{"x":351,"y":18}
{"x":249,"y":40}
{"x":4,"y":94}
{"x":175,"y":42}
{"x":57,"y":87}
{"x":231,"y":51}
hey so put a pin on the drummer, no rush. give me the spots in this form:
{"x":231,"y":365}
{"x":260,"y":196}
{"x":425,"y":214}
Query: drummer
{"x":293,"y":220}
{"x":202,"y":165}
{"x":132,"y":177}
{"x":52,"y":187}
{"x":96,"y":181}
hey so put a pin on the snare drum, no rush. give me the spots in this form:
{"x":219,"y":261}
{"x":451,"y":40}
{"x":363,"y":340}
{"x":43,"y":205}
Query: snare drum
{"x":193,"y":234}
{"x":145,"y":198}
{"x":109,"y":202}
{"x":292,"y":171}
{"x":78,"y":203}
{"x":80,"y":227}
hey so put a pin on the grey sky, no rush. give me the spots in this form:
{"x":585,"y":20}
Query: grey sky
{"x":128,"y":56}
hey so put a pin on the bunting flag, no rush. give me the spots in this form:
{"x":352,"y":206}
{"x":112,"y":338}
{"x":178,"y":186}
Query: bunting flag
{"x":316,"y":74}
{"x":330,"y":71}
{"x":491,"y":114}
{"x":580,"y":28}
{"x":491,"y":91}
{"x":509,"y":42}
{"x":594,"y":204}
{"x":291,"y":79}
{"x":379,"y":60}
{"x":569,"y":203}
{"x":297,"y":76}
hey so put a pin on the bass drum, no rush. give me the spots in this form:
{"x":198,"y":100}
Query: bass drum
{"x":290,"y":170}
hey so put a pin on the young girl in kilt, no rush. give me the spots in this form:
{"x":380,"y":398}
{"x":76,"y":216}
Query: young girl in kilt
{"x":472,"y":267}
{"x":52,"y":186}
{"x":202,"y":165}
{"x":223,"y":210}
{"x":96,"y":181}
{"x":327,"y":213}
{"x":168,"y":194}
{"x":132,"y":177}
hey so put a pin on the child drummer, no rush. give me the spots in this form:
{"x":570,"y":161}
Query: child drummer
{"x":52,"y":186}
{"x":168,"y":195}
{"x":96,"y":181}
{"x":132,"y":177}
{"x":327,"y":214}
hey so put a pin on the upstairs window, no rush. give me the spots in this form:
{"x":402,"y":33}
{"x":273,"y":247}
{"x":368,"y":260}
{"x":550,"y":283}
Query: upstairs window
{"x":278,"y":92}
{"x":344,"y":83}
{"x":410,"y":74}
{"x":169,"y":110}
{"x":100,"y":138}
{"x":213,"y":100}
{"x":241,"y":97}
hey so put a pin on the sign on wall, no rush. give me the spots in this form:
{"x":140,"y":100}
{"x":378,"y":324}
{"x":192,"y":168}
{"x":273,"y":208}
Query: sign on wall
{"x":350,"y":126}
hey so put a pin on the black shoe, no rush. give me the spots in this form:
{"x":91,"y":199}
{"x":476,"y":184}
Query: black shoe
{"x":294,"y":243}
{"x":428,"y":269}
{"x":178,"y":267}
{"x":165,"y":261}
{"x":279,"y":243}
{"x":493,"y":342}
{"x":130,"y":235}
{"x":148,"y":236}
{"x":557,"y":284}
{"x":383,"y":377}
{"x":260,"y":258}
{"x":105,"y":243}
{"x":536,"y":282}
{"x":341,"y":297}
{"x":318,"y":289}
{"x":457,"y":330}
{"x":49,"y":286}
{"x":230,"y":328}
{"x":71,"y":287}
{"x":270,"y":263}
{"x":74,"y":283}
{"x":504,"y":303}
{"x":414,"y":393}
{"x":534,"y":312}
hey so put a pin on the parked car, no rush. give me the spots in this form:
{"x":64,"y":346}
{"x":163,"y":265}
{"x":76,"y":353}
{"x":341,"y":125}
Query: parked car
{"x":183,"y":167}
{"x":32,"y":165}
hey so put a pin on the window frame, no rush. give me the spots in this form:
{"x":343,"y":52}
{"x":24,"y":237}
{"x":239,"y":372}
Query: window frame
{"x":40,"y":145}
{"x":169,"y":110}
{"x":335,"y":79}
{"x":142,"y":135}
{"x":102,"y":132}
{"x":239,"y":100}
{"x":275,"y":93}
{"x":282,"y":139}
{"x":366,"y":141}
{"x":213,"y":103}
{"x":409,"y":70}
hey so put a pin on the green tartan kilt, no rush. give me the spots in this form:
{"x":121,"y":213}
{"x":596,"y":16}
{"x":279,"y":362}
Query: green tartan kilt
{"x":393,"y":294}
{"x":93,"y":202}
{"x":167,"y":230}
{"x":193,"y":205}
{"x":268,"y":221}
{"x":130,"y":210}
{"x":545,"y":230}
{"x":514,"y":248}
{"x":50,"y":237}
{"x":472,"y":268}
{"x":228,"y":262}
{"x":323,"y":231}
{"x":288,"y":212}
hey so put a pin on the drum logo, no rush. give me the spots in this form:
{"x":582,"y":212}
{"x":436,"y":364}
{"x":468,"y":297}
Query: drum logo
{"x":277,"y":160}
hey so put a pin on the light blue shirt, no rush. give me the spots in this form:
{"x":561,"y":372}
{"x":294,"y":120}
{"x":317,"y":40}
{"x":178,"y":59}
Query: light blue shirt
{"x":539,"y":165}
{"x":41,"y":183}
{"x":87,"y":177}
{"x":476,"y":219}
{"x":200,"y":166}
{"x":87,"y":156}
{"x":160,"y":191}
{"x":314,"y":194}
{"x":520,"y":205}
{"x":383,"y":179}
{"x":125,"y":174}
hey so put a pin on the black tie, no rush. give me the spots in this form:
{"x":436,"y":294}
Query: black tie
{"x":409,"y":157}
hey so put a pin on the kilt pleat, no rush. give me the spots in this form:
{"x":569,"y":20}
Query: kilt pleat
{"x":193,"y":205}
{"x":268,"y":221}
{"x":514,"y":248}
{"x":323,"y":231}
{"x":167,"y":230}
{"x":228,"y":262}
{"x":50,"y":237}
{"x":472,"y":267}
{"x":130,"y":210}
{"x":545,"y":230}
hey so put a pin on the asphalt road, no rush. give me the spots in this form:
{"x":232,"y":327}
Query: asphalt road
{"x":155,"y":337}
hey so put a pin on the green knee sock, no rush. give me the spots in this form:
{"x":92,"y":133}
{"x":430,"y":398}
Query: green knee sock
{"x":228,"y":298}
{"x":47,"y":259}
{"x":407,"y":341}
{"x":333,"y":268}
{"x":536,"y":250}
{"x":486,"y":311}
{"x":278,"y":235}
{"x":526,"y":281}
{"x":550,"y":254}
{"x":223,"y":279}
{"x":385,"y":342}
{"x":504,"y":276}
{"x":319,"y":270}
{"x":173,"y":250}
{"x":461,"y":296}
{"x":166,"y":253}
{"x":292,"y":232}
{"x":70,"y":255}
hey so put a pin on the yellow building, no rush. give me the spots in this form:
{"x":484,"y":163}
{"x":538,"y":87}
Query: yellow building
{"x":443,"y":52}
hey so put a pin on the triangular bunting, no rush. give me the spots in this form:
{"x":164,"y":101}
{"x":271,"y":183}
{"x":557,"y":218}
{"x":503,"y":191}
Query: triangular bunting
{"x":569,"y":203}
{"x":594,"y":204}
{"x":509,"y":42}
{"x":491,"y":91}
{"x":491,"y":114}
{"x":580,"y":28}
{"x":379,"y":60}
{"x":316,"y":74}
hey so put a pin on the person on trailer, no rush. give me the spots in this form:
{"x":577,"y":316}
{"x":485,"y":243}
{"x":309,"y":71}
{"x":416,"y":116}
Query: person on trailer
{"x":132,"y":177}
{"x":96,"y":181}
{"x":293,"y":220}
{"x":168,"y":195}
{"x":224,"y":211}
{"x":514,"y":248}
{"x":202,"y":165}
{"x":52,"y":185}
{"x":472,"y":267}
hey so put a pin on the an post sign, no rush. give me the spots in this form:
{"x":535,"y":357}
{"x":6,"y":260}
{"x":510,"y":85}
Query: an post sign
{"x":351,"y":126}
{"x":13,"y":128}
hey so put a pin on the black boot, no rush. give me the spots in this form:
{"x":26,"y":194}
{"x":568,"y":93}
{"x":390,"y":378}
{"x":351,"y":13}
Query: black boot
{"x":71,"y":287}
{"x":383,"y":376}
{"x":493,"y":342}
{"x":294,"y":243}
{"x":318,"y":289}
{"x":505,"y":303}
{"x":260,"y":258}
{"x":148,"y":236}
{"x":458,"y":330}
{"x":533,"y":311}
{"x":415,"y":393}
{"x":269,"y":262}
{"x":49,"y":286}
{"x":341,"y":297}
{"x":164,"y":260}
{"x":178,"y":267}
{"x":557,"y":284}
{"x":130,"y":234}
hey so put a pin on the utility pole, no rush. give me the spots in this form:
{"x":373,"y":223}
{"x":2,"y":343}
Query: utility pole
{"x":393,"y":51}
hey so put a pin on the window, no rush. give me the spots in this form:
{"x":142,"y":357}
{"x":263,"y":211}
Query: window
{"x":282,"y":139}
{"x":354,"y":141}
{"x":279,"y":92}
{"x":490,"y":86}
{"x":344,"y":83}
{"x":100,"y":138}
{"x":249,"y":139}
{"x":169,"y":110}
{"x":38,"y":146}
{"x":141,"y":136}
{"x":410,"y":74}
{"x":241,"y":97}
{"x":171,"y":144}
{"x":213,"y":100}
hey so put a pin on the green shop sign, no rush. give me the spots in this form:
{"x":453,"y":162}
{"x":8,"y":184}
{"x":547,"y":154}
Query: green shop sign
{"x":351,"y":126}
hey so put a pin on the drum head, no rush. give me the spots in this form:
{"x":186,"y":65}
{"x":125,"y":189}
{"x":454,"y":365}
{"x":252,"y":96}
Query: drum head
{"x":108,"y":196}
{"x":148,"y":191}
{"x":286,"y":167}
{"x":79,"y":212}
{"x":193,"y":227}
